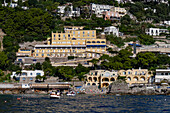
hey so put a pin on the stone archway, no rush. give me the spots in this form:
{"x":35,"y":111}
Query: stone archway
{"x":129,"y":78}
{"x":142,"y":78}
{"x":112,"y":79}
{"x":95,"y":79}
{"x":105,"y":84}
{"x":90,"y":78}
{"x":105,"y":80}
{"x":94,"y":84}
{"x":135,"y":78}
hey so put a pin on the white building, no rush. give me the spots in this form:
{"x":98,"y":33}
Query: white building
{"x":156,"y":31}
{"x":68,"y":11}
{"x":99,"y":9}
{"x":162,"y":74}
{"x":111,"y":30}
{"x":27,"y":76}
{"x":167,"y":22}
{"x":13,"y":5}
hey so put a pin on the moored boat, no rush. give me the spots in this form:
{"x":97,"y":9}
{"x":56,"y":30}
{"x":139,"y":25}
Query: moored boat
{"x":55,"y":94}
{"x":71,"y":93}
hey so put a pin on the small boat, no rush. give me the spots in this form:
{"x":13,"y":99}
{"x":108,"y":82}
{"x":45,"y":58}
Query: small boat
{"x":117,"y":94}
{"x":55,"y":94}
{"x":71,"y":93}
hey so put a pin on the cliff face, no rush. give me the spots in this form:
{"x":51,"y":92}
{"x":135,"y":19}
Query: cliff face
{"x":118,"y":86}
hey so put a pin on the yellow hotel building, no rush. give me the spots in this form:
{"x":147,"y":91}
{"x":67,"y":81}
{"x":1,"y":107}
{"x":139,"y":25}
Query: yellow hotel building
{"x":73,"y":42}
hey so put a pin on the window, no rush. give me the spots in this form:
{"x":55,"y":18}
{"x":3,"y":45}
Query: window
{"x":93,"y":32}
{"x":42,"y":54}
{"x":37,"y":51}
{"x":124,"y":73}
{"x":59,"y":35}
{"x":83,"y":33}
{"x":36,"y":54}
{"x":73,"y":43}
{"x":88,"y":42}
{"x":54,"y":35}
{"x":129,"y":72}
{"x":64,"y":36}
{"x":79,"y":32}
{"x":78,"y":43}
{"x":136,"y":73}
{"x":30,"y":73}
{"x":54,"y":38}
{"x":68,"y":35}
{"x":23,"y":78}
{"x":73,"y":32}
{"x":103,"y":42}
{"x":38,"y":74}
{"x":42,"y":51}
{"x":48,"y":54}
{"x":31,"y":79}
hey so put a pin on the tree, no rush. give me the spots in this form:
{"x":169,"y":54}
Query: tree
{"x":80,"y":71}
{"x":94,"y":62}
{"x":146,"y":60}
{"x":66,"y":72}
{"x":38,"y":77}
{"x":146,"y":39}
{"x":48,"y":72}
{"x":32,"y":2}
{"x":38,"y":66}
{"x":3,"y":60}
{"x":115,"y":40}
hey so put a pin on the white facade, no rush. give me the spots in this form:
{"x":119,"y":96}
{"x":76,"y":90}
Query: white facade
{"x":13,"y":5}
{"x":28,"y":73}
{"x":27,"y":76}
{"x":68,"y":12}
{"x":167,"y":22}
{"x":156,"y":31}
{"x":162,"y":74}
{"x":99,"y":9}
{"x":25,"y":86}
{"x":111,"y":30}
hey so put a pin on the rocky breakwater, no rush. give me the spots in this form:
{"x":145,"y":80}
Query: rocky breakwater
{"x":92,"y":90}
{"x":118,"y":87}
{"x":122,"y":88}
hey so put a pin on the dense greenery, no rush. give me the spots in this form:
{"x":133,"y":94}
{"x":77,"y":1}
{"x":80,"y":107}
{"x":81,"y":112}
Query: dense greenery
{"x":124,"y":60}
{"x":146,"y":39}
{"x":161,"y":11}
{"x":63,"y":72}
{"x":115,"y":40}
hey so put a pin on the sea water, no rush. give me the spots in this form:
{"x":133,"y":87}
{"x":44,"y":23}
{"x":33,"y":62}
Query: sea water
{"x":84,"y":103}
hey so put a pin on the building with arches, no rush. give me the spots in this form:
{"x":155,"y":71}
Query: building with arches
{"x":136,"y":76}
{"x":101,"y":78}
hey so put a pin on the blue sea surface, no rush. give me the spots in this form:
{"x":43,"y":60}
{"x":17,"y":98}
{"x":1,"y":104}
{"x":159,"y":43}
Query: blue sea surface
{"x":31,"y":103}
